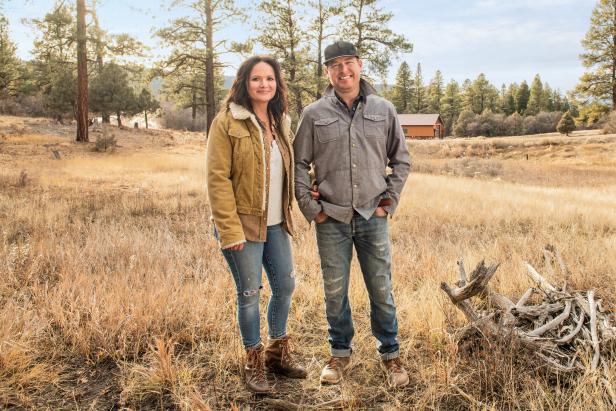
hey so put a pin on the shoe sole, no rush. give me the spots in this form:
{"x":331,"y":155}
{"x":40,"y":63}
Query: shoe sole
{"x":284,"y":374}
{"x":399,"y":386}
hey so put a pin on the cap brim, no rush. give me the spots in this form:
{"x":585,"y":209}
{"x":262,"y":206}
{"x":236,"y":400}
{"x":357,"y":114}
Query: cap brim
{"x":337,"y":57}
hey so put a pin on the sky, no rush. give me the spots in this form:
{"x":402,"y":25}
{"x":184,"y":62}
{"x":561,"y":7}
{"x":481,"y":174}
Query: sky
{"x":507,"y":40}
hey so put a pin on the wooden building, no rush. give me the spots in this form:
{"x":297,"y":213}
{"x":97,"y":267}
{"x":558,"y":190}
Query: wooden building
{"x":422,"y":126}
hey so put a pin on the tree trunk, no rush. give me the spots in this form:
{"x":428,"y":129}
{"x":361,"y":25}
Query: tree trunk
{"x":145,"y":114}
{"x":119,"y":118}
{"x":106,"y":118}
{"x":82,"y":74}
{"x":210,"y":95}
{"x":193,"y":126}
{"x":319,"y":54}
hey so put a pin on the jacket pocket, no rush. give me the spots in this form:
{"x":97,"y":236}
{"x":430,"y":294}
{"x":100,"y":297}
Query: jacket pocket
{"x":327,"y":129}
{"x":242,"y":168}
{"x":375,"y":125}
{"x":240,"y":143}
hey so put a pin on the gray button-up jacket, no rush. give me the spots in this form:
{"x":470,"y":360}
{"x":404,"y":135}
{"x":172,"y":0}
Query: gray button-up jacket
{"x":349,"y":156}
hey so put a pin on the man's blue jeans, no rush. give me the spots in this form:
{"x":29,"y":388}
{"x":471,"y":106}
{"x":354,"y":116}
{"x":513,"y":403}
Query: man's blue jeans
{"x":371,"y":240}
{"x":246,"y":266}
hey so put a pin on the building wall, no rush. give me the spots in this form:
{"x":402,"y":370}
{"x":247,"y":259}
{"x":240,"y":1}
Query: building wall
{"x":418,"y":131}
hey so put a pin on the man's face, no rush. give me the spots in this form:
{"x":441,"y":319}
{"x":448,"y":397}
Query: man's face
{"x":344,"y":73}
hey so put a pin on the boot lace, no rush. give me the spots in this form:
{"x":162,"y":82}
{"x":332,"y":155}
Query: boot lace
{"x":335,"y":363}
{"x":395,"y":365}
{"x":258,"y":371}
{"x":285,"y":352}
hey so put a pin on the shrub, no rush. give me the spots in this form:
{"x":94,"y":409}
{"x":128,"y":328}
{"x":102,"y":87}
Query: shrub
{"x":566,"y":124}
{"x":610,"y":124}
{"x":23,"y":105}
{"x":105,"y":141}
{"x":181,"y":119}
{"x":542,"y":123}
{"x":513,"y":125}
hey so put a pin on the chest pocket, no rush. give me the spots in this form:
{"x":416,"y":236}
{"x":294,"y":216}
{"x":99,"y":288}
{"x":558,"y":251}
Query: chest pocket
{"x":327,"y":129}
{"x":242,"y":146}
{"x":374,"y":125}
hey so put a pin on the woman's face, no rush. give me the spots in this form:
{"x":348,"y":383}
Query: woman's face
{"x":261,"y":83}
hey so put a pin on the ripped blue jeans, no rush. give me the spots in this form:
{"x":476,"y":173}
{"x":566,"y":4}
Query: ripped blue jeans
{"x":246,"y":266}
{"x":335,"y":241}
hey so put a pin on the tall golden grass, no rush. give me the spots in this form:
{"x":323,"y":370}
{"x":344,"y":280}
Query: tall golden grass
{"x":113,"y":293}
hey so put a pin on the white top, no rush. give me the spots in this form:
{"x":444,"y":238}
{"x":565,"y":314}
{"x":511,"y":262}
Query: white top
{"x":274,"y":209}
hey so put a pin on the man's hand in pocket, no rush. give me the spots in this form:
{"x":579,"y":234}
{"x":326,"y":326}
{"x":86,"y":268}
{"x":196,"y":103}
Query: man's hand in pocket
{"x":320,"y":218}
{"x":380,"y":212}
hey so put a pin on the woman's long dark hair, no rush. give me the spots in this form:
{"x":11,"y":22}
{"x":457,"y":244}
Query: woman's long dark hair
{"x":277,"y":107}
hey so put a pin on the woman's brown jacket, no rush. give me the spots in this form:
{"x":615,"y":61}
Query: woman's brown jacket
{"x":238,"y":176}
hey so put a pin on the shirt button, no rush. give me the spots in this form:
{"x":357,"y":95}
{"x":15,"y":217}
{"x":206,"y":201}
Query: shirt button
{"x":354,"y":165}
{"x":355,"y":185}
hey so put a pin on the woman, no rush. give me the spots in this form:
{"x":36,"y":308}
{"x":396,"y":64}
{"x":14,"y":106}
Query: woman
{"x":250,"y":187}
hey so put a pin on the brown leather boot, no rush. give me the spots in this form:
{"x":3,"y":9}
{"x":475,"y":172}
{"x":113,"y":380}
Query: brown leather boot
{"x":278,"y":358}
{"x":254,"y":371}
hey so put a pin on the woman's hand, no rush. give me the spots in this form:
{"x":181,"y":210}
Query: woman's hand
{"x":314,"y":193}
{"x":237,"y":247}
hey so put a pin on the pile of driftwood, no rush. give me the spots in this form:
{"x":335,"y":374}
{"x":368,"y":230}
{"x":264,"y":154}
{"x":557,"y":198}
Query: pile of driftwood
{"x":569,"y":331}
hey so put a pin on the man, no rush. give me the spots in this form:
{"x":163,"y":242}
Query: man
{"x":349,"y":137}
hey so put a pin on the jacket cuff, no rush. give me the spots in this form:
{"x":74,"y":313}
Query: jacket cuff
{"x":314,"y":208}
{"x":227,"y":246}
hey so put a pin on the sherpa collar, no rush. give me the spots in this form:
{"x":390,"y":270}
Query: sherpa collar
{"x":241,"y":113}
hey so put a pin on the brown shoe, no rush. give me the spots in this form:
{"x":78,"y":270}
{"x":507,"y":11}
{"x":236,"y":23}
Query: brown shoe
{"x":334,"y":369}
{"x":254,"y":371}
{"x":397,"y":377}
{"x":278,"y":358}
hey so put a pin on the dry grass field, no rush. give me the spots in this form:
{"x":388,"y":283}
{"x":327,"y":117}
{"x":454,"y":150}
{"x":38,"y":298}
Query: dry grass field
{"x":113,"y":294}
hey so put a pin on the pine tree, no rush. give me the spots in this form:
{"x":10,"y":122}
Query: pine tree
{"x":467,"y":94}
{"x":110,"y":92}
{"x":566,"y":124}
{"x":55,"y":47}
{"x":321,"y":29}
{"x":145,"y":103}
{"x":365,"y":25}
{"x":435,"y":92}
{"x":451,"y":105}
{"x":105,"y":47}
{"x":536,"y":93}
{"x":282,"y":33}
{"x":484,"y":95}
{"x":547,"y":99}
{"x":402,"y":93}
{"x":510,"y":102}
{"x":9,"y":63}
{"x":419,"y":92}
{"x":599,"y":82}
{"x":192,"y":39}
{"x":521,"y":98}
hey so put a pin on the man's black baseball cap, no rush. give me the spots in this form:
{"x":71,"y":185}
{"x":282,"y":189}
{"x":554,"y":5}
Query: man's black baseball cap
{"x":339,"y":49}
